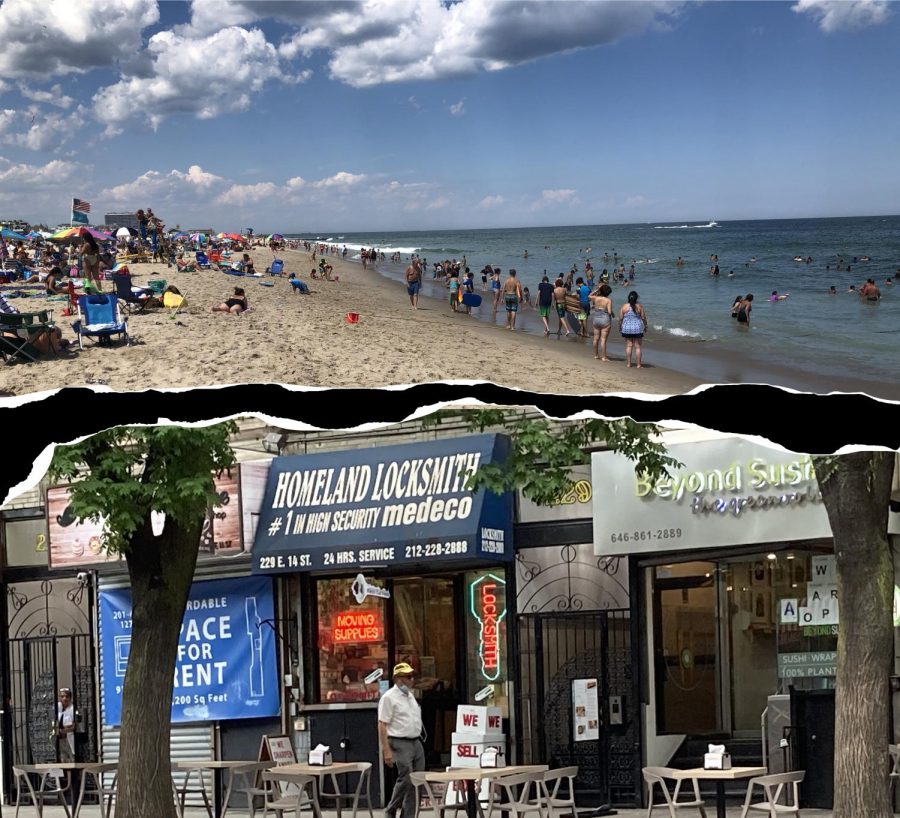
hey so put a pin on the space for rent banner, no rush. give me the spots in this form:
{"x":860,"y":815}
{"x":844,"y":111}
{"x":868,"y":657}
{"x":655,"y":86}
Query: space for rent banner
{"x":226,"y":667}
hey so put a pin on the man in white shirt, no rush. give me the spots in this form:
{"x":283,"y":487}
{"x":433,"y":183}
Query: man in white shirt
{"x":400,"y":731}
{"x":65,"y":721}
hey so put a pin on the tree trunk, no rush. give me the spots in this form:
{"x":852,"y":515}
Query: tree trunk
{"x":856,"y":496}
{"x":161,"y":571}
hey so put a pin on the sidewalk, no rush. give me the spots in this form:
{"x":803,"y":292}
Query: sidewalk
{"x":199,"y":812}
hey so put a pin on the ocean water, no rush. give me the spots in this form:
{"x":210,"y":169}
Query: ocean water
{"x":827,"y":336}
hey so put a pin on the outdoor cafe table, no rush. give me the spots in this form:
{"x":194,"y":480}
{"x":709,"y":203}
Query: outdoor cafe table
{"x":220,"y":803}
{"x":86,"y":768}
{"x":720,"y":777}
{"x":472,"y":774}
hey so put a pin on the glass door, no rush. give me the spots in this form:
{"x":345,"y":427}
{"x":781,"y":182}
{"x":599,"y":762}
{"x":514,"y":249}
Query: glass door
{"x":687,"y":649}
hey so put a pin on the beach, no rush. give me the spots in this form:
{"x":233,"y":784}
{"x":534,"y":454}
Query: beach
{"x":306,"y":340}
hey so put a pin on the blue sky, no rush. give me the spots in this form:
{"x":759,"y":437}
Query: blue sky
{"x":414,"y":114}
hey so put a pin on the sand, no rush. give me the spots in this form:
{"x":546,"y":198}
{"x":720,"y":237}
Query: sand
{"x":306,"y":340}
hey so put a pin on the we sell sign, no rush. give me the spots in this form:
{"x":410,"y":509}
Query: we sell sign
{"x":226,"y":666}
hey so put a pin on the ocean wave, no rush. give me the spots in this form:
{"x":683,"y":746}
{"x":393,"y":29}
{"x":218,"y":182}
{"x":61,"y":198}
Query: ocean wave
{"x":684,"y":226}
{"x":679,"y":332}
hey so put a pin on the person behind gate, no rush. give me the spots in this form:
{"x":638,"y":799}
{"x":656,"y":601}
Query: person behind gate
{"x":400,"y":732}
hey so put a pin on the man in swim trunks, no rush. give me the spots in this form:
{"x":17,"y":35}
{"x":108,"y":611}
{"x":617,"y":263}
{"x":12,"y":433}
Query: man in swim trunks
{"x":512,"y":297}
{"x":413,"y":283}
{"x":545,"y":302}
{"x":559,"y":298}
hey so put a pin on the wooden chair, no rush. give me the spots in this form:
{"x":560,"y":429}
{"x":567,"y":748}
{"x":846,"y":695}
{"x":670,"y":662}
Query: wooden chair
{"x":558,"y":797}
{"x":362,"y":791}
{"x":772,"y":786}
{"x":657,"y":777}
{"x":288,"y":793}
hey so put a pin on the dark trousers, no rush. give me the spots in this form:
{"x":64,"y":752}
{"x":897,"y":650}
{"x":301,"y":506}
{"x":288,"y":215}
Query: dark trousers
{"x":409,"y":757}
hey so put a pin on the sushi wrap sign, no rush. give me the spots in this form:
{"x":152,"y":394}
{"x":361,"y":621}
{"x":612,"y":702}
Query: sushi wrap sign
{"x":728,"y":492}
{"x":384,"y":505}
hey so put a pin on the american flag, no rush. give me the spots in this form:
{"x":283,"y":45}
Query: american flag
{"x":81,"y":206}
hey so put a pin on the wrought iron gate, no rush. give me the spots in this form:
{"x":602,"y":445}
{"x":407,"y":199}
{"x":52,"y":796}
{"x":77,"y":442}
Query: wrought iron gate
{"x":554,"y":650}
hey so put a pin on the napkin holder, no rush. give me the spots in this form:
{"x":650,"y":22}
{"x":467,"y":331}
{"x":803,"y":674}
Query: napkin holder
{"x":491,"y":757}
{"x":717,"y":758}
{"x":320,"y":756}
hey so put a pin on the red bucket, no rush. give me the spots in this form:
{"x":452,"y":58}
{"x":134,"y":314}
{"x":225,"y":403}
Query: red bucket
{"x":352,"y":317}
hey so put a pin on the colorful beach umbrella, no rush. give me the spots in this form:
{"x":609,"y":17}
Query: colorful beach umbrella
{"x":74,"y":233}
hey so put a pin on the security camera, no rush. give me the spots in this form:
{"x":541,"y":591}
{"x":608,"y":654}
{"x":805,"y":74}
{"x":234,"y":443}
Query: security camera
{"x":83,"y":577}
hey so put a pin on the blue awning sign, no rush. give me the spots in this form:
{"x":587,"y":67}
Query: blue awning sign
{"x":383,"y":505}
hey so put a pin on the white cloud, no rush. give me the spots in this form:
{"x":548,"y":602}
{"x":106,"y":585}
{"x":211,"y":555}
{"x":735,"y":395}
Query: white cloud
{"x":490,"y":201}
{"x":54,"y":96}
{"x":383,"y":41}
{"x":44,"y":132}
{"x":558,"y":196}
{"x":44,"y":38}
{"x":21,"y":177}
{"x":206,"y":76}
{"x":438,"y":203}
{"x":196,"y":185}
{"x":635,"y":201}
{"x":844,"y":15}
{"x":341,"y":180}
{"x":248,"y":194}
{"x":458,"y":109}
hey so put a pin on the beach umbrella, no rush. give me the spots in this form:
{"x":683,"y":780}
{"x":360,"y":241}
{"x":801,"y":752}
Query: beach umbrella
{"x":126,"y":232}
{"x":201,"y":237}
{"x":11,"y":234}
{"x":276,"y":237}
{"x":74,"y":233}
{"x":34,"y":234}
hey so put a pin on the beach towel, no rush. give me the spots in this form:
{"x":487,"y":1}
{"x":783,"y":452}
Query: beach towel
{"x":172,"y":300}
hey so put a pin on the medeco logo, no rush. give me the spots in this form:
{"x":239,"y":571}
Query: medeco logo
{"x":488,"y":605}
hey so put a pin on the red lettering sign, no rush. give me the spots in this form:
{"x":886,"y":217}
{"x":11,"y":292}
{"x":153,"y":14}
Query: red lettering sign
{"x":470,"y":719}
{"x":358,"y":626}
{"x":466,"y":751}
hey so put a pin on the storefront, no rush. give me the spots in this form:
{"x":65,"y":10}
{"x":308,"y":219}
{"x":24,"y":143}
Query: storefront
{"x":390,"y":558}
{"x":736,"y":593}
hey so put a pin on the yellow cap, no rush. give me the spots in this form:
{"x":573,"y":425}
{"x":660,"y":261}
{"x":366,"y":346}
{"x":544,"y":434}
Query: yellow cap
{"x":403,"y":669}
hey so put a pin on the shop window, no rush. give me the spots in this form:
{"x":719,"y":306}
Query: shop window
{"x":352,"y":642}
{"x":425,"y":631}
{"x":26,"y":542}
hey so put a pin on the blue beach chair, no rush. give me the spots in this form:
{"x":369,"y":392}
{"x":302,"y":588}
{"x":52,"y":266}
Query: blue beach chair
{"x":277,"y":267}
{"x":202,"y":260}
{"x":99,"y":316}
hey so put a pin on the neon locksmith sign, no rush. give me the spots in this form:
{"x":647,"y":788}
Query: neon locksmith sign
{"x":487,"y":596}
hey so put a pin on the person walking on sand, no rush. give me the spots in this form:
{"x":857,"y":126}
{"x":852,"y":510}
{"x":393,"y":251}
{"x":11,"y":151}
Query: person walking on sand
{"x":414,"y":283}
{"x":602,"y":319}
{"x":559,"y":298}
{"x":512,"y":297}
{"x":545,"y":302}
{"x":632,"y":325}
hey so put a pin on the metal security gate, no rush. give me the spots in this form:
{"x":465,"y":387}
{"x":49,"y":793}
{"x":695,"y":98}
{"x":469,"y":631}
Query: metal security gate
{"x":554,"y":651}
{"x":38,"y":667}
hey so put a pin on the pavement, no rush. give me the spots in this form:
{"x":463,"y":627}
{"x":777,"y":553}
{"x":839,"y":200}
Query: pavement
{"x":200,"y":812}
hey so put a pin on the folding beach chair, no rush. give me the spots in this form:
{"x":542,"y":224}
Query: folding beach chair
{"x":100,"y":316}
{"x":202,"y":260}
{"x":136,"y":299}
{"x":277,"y":267}
{"x":19,"y":332}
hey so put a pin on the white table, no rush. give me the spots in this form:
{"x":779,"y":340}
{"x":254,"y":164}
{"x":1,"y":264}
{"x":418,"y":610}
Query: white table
{"x":720,"y":777}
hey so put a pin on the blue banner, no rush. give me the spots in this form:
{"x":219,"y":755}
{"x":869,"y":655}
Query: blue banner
{"x":79,"y":218}
{"x":226,"y":667}
{"x":383,"y":505}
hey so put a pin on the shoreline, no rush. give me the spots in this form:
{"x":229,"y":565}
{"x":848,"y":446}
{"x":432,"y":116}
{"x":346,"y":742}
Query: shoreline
{"x":306,"y":340}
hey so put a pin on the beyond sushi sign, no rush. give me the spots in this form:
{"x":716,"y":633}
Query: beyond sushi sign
{"x":383,"y":505}
{"x":728,"y":492}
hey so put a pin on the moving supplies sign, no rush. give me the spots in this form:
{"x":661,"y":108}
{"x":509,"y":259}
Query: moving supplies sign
{"x":358,"y":508}
{"x":728,"y":492}
{"x":226,"y":666}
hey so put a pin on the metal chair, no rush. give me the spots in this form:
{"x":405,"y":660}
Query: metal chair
{"x":362,"y":790}
{"x":657,"y":777}
{"x":250,"y":773}
{"x":518,"y":794}
{"x":558,"y":796}
{"x":772,"y":786}
{"x":894,"y":752}
{"x":288,"y":793}
{"x":101,"y":790}
{"x":39,"y":796}
{"x":438,"y":806}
